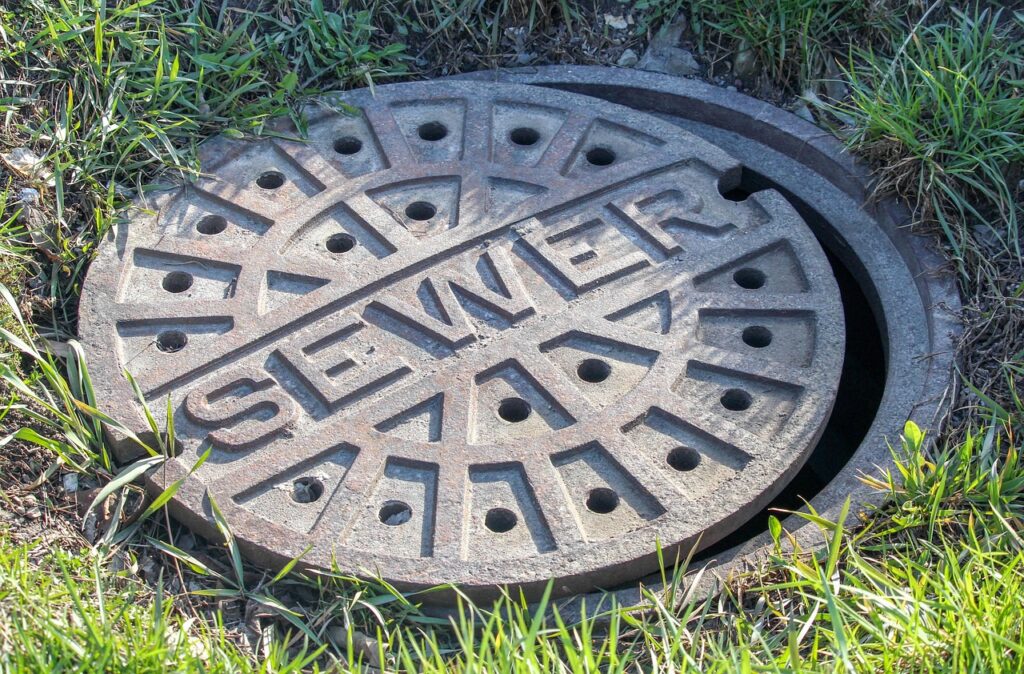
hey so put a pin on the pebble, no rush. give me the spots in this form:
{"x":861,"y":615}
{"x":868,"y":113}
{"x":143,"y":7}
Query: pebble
{"x":835,"y":85}
{"x":367,"y":646}
{"x":744,"y":62}
{"x":803,"y":111}
{"x":29,"y":196}
{"x":628,"y":59}
{"x":664,"y":55}
{"x":616,"y":22}
{"x":671,"y":61}
{"x":70,"y":483}
{"x":28,"y":164}
{"x":361,"y":644}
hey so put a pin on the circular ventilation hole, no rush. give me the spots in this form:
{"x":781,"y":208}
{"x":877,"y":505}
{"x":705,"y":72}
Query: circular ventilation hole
{"x":307,"y":490}
{"x":594,"y":370}
{"x":211,"y":224}
{"x":270,"y":180}
{"x":348,"y":145}
{"x":749,"y":278}
{"x":514,"y":410}
{"x":421,"y":210}
{"x":736,"y":399}
{"x":432,"y":131}
{"x":170,"y":341}
{"x":340,"y":243}
{"x":524,"y":135}
{"x":177,"y":282}
{"x":683,"y":458}
{"x":602,"y":500}
{"x":394,"y":513}
{"x":600,"y":156}
{"x":500,"y":520}
{"x":757,"y":336}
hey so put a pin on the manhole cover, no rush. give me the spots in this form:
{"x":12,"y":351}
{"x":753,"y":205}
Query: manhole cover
{"x":473,"y":333}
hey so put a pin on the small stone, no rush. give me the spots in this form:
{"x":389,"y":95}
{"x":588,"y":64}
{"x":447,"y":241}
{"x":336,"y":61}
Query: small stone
{"x":803,"y":111}
{"x":186,"y":542}
{"x":28,"y":165}
{"x":398,"y":517}
{"x":628,"y":59}
{"x":671,"y":61}
{"x":616,"y":22}
{"x":70,"y":483}
{"x":367,"y":647}
{"x":835,"y":85}
{"x":731,"y":88}
{"x":29,"y":196}
{"x":362,"y":645}
{"x":39,"y":227}
{"x":669,"y":36}
{"x":744,"y":63}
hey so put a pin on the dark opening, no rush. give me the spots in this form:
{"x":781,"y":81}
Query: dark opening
{"x":177,"y":282}
{"x":420,"y":210}
{"x":307,"y":490}
{"x":739,"y":192}
{"x":600,"y":156}
{"x":340,"y":243}
{"x":861,"y":385}
{"x":170,"y":341}
{"x":394,"y":513}
{"x":683,"y":458}
{"x":602,"y":500}
{"x":270,"y":180}
{"x":211,"y":224}
{"x":348,"y":145}
{"x":757,"y":336}
{"x":749,"y":278}
{"x":524,"y":135}
{"x":432,"y":131}
{"x":514,"y":410}
{"x":500,"y":520}
{"x":594,"y":370}
{"x":736,"y":400}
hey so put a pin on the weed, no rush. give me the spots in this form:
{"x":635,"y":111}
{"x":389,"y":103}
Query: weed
{"x":112,"y":95}
{"x":944,"y":121}
{"x":794,"y":40}
{"x":99,"y":622}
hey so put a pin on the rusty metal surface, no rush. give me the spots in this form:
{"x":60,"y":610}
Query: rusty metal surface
{"x":475,"y":333}
{"x":906,"y":277}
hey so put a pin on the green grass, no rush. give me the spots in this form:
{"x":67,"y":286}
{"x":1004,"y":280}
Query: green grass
{"x":112,"y":95}
{"x":63,"y":612}
{"x":933,"y":582}
{"x":796,"y":41}
{"x":14,"y":258}
{"x":944,"y":120}
{"x":116,"y":96}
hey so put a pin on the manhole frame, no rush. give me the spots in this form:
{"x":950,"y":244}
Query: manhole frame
{"x":917,"y":306}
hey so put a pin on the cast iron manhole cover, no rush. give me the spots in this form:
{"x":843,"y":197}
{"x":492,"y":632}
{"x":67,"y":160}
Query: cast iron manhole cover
{"x":473,"y":333}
